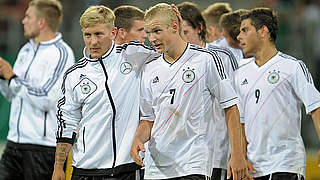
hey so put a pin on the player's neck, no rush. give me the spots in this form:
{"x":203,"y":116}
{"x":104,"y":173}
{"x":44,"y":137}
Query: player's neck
{"x":45,"y":36}
{"x":265,"y":54}
{"x":119,"y":41}
{"x":175,"y":52}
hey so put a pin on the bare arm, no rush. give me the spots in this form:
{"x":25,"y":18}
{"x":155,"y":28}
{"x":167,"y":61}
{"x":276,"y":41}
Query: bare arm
{"x":237,"y":164}
{"x":244,"y":148}
{"x":142,"y":135}
{"x":62,"y":151}
{"x":244,"y":140}
{"x":316,"y":120}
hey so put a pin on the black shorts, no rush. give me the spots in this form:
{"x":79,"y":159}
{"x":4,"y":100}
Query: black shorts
{"x":134,"y":175}
{"x":191,"y":177}
{"x":27,"y":162}
{"x":281,"y":176}
{"x":219,"y":174}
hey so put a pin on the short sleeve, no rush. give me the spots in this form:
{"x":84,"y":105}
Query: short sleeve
{"x":219,"y":83}
{"x":146,"y":109}
{"x":305,"y":89}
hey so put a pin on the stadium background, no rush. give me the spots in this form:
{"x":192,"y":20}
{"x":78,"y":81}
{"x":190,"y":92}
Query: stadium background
{"x":299,"y":36}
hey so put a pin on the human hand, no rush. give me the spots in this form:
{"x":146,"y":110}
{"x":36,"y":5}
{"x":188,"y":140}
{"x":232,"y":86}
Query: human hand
{"x":251,"y":169}
{"x":136,"y":147}
{"x":5,"y":69}
{"x":178,"y":14}
{"x":237,"y":167}
{"x":58,"y":174}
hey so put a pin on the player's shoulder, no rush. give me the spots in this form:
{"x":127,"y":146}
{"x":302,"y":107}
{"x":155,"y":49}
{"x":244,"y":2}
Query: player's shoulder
{"x":289,"y":61}
{"x":133,"y":46}
{"x":65,"y":45}
{"x":245,"y":63}
{"x":195,"y":50}
{"x":77,"y":67}
{"x":219,"y":49}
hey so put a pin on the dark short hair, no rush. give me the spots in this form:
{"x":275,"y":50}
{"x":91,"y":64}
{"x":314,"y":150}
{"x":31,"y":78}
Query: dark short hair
{"x":231,"y":22}
{"x":263,"y":17}
{"x":126,"y":15}
{"x":192,"y":14}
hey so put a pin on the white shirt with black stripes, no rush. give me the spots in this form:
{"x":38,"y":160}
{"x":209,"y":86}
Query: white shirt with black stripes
{"x":272,"y":97}
{"x":178,"y":98}
{"x":220,"y":132}
{"x":35,"y":91}
{"x":104,"y":116}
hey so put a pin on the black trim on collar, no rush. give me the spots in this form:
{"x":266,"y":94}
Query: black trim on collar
{"x":103,"y":57}
{"x":178,"y":58}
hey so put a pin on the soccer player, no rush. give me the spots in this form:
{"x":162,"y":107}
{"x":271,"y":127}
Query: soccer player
{"x":194,"y":28}
{"x":177,"y":91}
{"x":101,"y":98}
{"x":32,"y":86}
{"x":212,"y":15}
{"x":274,"y":87}
{"x":230,"y":25}
{"x":129,"y":23}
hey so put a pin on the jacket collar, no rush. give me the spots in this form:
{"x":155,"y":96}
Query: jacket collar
{"x":86,"y":54}
{"x":46,"y":43}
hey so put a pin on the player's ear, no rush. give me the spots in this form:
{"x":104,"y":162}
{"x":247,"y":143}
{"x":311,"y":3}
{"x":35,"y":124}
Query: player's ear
{"x":42,"y":22}
{"x":175,"y":26}
{"x":264,"y":31}
{"x":113,"y":33}
{"x":121,"y":33}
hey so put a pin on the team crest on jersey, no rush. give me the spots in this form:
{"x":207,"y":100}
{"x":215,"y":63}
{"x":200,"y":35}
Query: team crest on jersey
{"x":273,"y":77}
{"x":188,"y":75}
{"x":87,"y":86}
{"x":23,"y":57}
{"x":126,"y":68}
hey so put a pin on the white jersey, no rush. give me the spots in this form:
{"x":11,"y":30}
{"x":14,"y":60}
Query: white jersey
{"x":272,"y":96}
{"x":224,"y":43}
{"x":104,"y":115}
{"x":220,"y":136}
{"x":179,"y":99}
{"x":35,"y":91}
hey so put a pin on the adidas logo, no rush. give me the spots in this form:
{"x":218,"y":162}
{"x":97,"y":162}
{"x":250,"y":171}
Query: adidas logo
{"x":244,"y":82}
{"x":82,"y":76}
{"x":155,"y":80}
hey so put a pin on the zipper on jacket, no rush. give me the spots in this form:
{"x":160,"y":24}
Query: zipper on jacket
{"x":114,"y":144}
{"x":18,"y":123}
{"x":21,"y":102}
{"x":45,"y":124}
{"x":84,"y":144}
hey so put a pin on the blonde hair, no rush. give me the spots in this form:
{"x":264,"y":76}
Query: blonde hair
{"x":162,"y":10}
{"x":213,"y":13}
{"x":97,"y":15}
{"x":50,"y":10}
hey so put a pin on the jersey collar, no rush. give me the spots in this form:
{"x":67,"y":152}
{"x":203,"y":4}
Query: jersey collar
{"x":86,"y":54}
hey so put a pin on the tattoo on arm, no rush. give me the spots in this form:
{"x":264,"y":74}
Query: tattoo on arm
{"x":62,"y":151}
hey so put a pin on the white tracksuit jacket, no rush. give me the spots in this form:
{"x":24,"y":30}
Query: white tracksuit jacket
{"x":93,"y":109}
{"x":35,"y":91}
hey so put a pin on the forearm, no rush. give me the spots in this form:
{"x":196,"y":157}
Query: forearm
{"x":316,"y":120}
{"x":244,"y":140}
{"x":62,"y":151}
{"x":144,"y":131}
{"x":234,"y":129}
{"x":40,"y":97}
